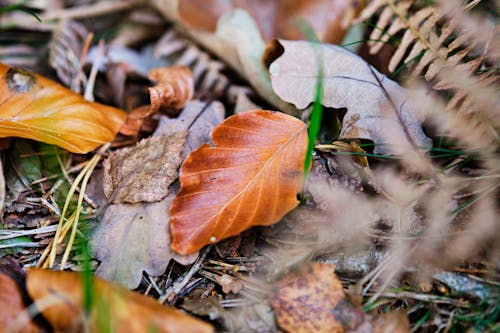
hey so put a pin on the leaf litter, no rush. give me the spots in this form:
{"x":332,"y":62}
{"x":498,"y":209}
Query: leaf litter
{"x":382,"y":222}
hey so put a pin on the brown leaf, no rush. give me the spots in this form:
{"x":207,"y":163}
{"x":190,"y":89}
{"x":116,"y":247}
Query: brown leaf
{"x":143,"y":173}
{"x":133,"y":238}
{"x":135,"y":120}
{"x":12,"y":317}
{"x":238,"y":42}
{"x":123,"y":310}
{"x":328,"y":18}
{"x":198,"y":118}
{"x":251,"y":177}
{"x":391,"y":322}
{"x":37,"y":108}
{"x":351,"y":83}
{"x":174,"y":88}
{"x":306,"y":303}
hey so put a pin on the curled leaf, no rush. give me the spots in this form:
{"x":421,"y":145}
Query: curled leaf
{"x":113,"y":308}
{"x":174,"y":88}
{"x":378,"y":108}
{"x":37,"y":108}
{"x":251,"y":177}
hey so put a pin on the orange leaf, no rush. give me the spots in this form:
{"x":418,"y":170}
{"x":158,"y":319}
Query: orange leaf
{"x":314,"y":301}
{"x":124,"y":311}
{"x":251,"y":177}
{"x":34,"y":107}
{"x":175,"y":87}
{"x":11,"y":303}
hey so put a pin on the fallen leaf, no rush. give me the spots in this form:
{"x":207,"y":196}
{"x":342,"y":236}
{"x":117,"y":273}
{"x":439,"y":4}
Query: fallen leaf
{"x":133,"y":238}
{"x":238,"y":42}
{"x":143,"y":173}
{"x":329,"y":19}
{"x":198,"y":118}
{"x":349,"y":82}
{"x":229,"y":284}
{"x":251,"y":177}
{"x":113,"y":309}
{"x":37,"y":108}
{"x":174,"y":88}
{"x":12,"y":317}
{"x":2,"y":189}
{"x":391,"y":322}
{"x":312,"y":301}
{"x":135,"y":120}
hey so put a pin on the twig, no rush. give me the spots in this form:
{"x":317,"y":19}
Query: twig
{"x":173,"y":291}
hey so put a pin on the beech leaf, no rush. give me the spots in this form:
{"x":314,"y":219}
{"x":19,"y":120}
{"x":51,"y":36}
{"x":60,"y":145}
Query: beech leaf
{"x":236,"y":40}
{"x":314,"y":301}
{"x":144,"y":172}
{"x":12,"y":305}
{"x":37,"y":108}
{"x":198,"y":118}
{"x":328,"y":18}
{"x":174,"y":88}
{"x":391,"y":121}
{"x":250,"y":177}
{"x":113,"y":308}
{"x":133,"y":238}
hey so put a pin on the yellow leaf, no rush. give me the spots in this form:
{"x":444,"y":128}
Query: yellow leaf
{"x":34,"y":107}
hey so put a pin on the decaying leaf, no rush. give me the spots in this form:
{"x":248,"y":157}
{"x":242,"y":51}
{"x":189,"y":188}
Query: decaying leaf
{"x":133,"y":238}
{"x":37,"y":108}
{"x":251,"y":177}
{"x":238,"y":42}
{"x":391,"y":322}
{"x":313,"y":301}
{"x":113,"y":308}
{"x":12,"y":316}
{"x":143,"y":173}
{"x":198,"y":118}
{"x":377,"y":107}
{"x":2,"y":190}
{"x":174,"y":88}
{"x":277,"y":19}
{"x":229,"y":283}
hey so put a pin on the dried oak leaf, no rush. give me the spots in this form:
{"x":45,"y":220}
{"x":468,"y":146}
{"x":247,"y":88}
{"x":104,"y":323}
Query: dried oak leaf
{"x":37,"y":108}
{"x":133,"y":238}
{"x":250,"y":177}
{"x":174,"y":87}
{"x":307,"y":302}
{"x":143,"y":173}
{"x":378,"y":108}
{"x":198,"y":118}
{"x":113,"y":308}
{"x":12,"y":316}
